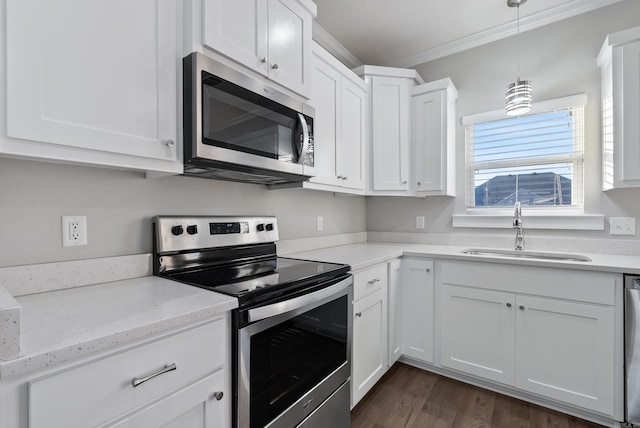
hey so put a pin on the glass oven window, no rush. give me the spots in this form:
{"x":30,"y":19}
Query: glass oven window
{"x":238,"y":119}
{"x":290,"y":358}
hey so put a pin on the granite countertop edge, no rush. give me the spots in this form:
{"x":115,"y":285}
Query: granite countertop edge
{"x":47,"y":339}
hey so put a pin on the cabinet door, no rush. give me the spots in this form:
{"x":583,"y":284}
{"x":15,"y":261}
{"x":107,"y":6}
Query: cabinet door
{"x":391,"y":104}
{"x":289,"y":44}
{"x":478,"y":329}
{"x":629,"y":122}
{"x":565,"y":351}
{"x":351,"y":141}
{"x":238,"y":30}
{"x":417,"y":309}
{"x":325,"y":99}
{"x":369,"y":353}
{"x":203,"y":404}
{"x":395,"y":311}
{"x":429,"y":137}
{"x":95,"y":76}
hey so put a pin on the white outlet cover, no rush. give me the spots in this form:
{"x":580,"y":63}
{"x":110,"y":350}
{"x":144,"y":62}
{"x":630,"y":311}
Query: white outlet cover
{"x":622,"y":226}
{"x":320,"y":222}
{"x":420,"y":222}
{"x":68,"y":232}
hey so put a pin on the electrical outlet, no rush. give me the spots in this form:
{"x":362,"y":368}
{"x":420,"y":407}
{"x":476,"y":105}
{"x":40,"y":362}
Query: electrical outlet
{"x":74,"y":231}
{"x":420,"y":222}
{"x":622,"y":226}
{"x":320,"y":224}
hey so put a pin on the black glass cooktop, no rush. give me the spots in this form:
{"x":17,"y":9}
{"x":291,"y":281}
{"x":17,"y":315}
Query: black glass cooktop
{"x":251,"y":280}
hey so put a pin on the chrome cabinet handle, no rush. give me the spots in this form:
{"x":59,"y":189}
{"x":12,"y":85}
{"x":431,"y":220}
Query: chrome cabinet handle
{"x":339,"y":177}
{"x":218,"y":395}
{"x":521,"y":308}
{"x":264,"y":59}
{"x":373,"y":281}
{"x":140,"y":380}
{"x":508,"y":305}
{"x":358,"y":314}
{"x":274,"y":66}
{"x":404,"y":182}
{"x":170,"y":142}
{"x":428,"y":270}
{"x":419,"y":183}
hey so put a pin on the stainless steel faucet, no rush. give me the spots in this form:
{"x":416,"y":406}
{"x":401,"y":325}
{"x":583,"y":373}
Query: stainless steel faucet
{"x":517,"y":225}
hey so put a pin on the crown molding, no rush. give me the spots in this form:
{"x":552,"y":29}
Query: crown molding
{"x":327,"y":41}
{"x":540,"y":19}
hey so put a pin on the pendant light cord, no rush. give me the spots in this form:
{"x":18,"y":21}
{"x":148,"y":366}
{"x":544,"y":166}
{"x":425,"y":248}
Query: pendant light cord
{"x":518,"y":37}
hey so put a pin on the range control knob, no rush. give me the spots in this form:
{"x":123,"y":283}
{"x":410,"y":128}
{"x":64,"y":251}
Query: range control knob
{"x":192,"y":230}
{"x":260,"y":227}
{"x":177,"y":230}
{"x":269,"y":226}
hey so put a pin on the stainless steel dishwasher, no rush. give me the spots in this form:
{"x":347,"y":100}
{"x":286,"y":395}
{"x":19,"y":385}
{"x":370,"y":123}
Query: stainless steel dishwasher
{"x":632,"y":348}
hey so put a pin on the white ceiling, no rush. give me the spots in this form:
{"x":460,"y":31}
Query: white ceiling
{"x":405,"y":33}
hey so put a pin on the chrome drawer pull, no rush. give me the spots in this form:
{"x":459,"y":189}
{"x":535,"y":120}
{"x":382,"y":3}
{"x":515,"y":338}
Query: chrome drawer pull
{"x":139,"y":380}
{"x":218,"y":395}
{"x":373,"y":281}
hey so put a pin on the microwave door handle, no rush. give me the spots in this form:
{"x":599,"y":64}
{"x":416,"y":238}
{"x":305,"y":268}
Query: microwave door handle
{"x":305,"y":138}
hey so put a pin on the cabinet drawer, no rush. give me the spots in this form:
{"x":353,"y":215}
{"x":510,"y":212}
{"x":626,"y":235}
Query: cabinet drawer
{"x":569,"y":284}
{"x":97,"y":392}
{"x":370,"y":280}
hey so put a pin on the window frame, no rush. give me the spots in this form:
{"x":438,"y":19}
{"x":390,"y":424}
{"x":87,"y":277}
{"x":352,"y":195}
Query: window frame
{"x":542,"y":217}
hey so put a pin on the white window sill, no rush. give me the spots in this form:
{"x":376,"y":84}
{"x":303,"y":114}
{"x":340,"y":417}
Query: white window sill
{"x":566,"y":220}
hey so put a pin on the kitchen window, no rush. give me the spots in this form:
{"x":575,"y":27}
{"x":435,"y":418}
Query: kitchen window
{"x":536,"y":159}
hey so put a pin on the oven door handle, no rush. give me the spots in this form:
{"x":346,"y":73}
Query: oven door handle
{"x":274,"y":309}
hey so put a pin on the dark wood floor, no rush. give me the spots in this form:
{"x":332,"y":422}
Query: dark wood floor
{"x":410,"y":397}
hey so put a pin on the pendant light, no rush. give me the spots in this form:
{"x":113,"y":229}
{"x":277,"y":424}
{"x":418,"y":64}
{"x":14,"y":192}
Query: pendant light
{"x":519,"y":93}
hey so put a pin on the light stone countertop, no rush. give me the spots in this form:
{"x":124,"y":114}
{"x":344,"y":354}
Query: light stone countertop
{"x":366,"y":254}
{"x":63,"y":325}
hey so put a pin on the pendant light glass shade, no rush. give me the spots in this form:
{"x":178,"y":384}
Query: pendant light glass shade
{"x":518,"y":97}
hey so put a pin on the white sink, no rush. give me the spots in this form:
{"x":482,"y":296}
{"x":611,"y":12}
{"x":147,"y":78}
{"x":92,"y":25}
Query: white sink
{"x":520,"y":254}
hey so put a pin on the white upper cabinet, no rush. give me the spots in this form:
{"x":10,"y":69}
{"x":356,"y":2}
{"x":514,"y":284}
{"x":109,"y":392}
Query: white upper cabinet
{"x":619,"y":62}
{"x":390,"y":132}
{"x":270,"y":37}
{"x":434,"y":139}
{"x":389,"y":126}
{"x":93,"y":82}
{"x":411,"y":142}
{"x":339,"y":99}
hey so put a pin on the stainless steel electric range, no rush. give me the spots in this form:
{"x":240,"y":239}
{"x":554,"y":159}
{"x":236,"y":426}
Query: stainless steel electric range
{"x":291,"y":334}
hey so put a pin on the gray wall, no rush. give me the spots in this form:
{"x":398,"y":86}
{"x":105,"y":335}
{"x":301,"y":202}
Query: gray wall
{"x":119,"y":206}
{"x":560,"y":59}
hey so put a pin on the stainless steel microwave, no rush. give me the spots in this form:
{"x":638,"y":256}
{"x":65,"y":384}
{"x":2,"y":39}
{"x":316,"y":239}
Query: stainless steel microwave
{"x":238,"y":128}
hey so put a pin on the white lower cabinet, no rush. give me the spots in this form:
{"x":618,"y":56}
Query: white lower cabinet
{"x":559,"y":344}
{"x":417,"y":309}
{"x":369,"y":353}
{"x":477,"y":332}
{"x":195,"y":406}
{"x":565,"y":351}
{"x":395,"y":307}
{"x":100,"y":391}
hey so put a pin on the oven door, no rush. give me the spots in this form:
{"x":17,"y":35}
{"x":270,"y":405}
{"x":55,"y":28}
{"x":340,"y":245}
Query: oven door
{"x":293,"y":356}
